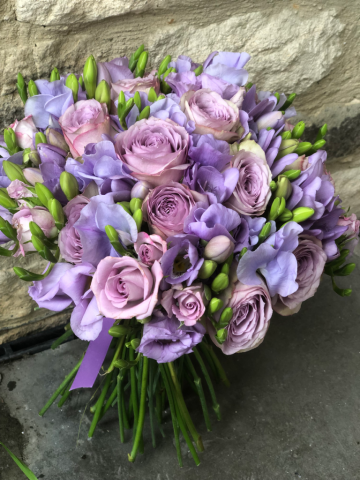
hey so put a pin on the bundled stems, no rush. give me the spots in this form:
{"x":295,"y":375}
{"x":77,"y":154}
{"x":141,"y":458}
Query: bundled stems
{"x":140,"y":425}
{"x":99,"y":405}
{"x":120,"y":378}
{"x":216,"y":406}
{"x":200,"y":391}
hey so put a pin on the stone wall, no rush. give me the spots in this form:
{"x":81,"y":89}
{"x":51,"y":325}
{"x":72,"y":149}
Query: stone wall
{"x":308,"y":47}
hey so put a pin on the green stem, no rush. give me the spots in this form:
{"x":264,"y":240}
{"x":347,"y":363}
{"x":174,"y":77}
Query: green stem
{"x":151,"y":401}
{"x":109,"y":403}
{"x":120,"y":413}
{"x":215,"y":405}
{"x":126,"y":421}
{"x":58,"y":390}
{"x":197,"y":381}
{"x":134,"y":398}
{"x":99,"y":405}
{"x":206,"y":353}
{"x":219,"y":367}
{"x":172,"y":411}
{"x":62,"y":339}
{"x":158,"y":405}
{"x":119,"y":346}
{"x":65,"y":396}
{"x":140,"y":426}
{"x":183,"y":409}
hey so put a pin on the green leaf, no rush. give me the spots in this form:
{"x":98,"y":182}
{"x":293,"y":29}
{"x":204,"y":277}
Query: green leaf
{"x":29,"y":474}
{"x":6,"y":253}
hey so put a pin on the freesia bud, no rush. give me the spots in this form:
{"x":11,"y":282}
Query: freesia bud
{"x":55,"y":75}
{"x":298,"y":130}
{"x":207,"y":292}
{"x":73,"y":84}
{"x":277,"y":208}
{"x":13,"y":171}
{"x":39,"y":138}
{"x":33,"y":175}
{"x":220,"y":282}
{"x":90,"y":76}
{"x":43,"y":193}
{"x":286,"y":135}
{"x":286,"y":216}
{"x":243,"y":251}
{"x":141,"y":64}
{"x":225,"y":268}
{"x":135,"y":204}
{"x":119,"y":331}
{"x":34,"y":158}
{"x":287,"y":147}
{"x":289,"y":101}
{"x":145,"y":113}
{"x":138,"y":217}
{"x":152,"y":97}
{"x":225,"y":317}
{"x":125,"y":206}
{"x":215,"y":305}
{"x":164,"y":65}
{"x":113,"y":236}
{"x":10,"y":140}
{"x":269,"y":120}
{"x":32,"y":88}
{"x":273,"y":186}
{"x":137,"y":100}
{"x":207,"y":269}
{"x":302,"y":213}
{"x":219,"y":249}
{"x":291,"y":174}
{"x":303,"y":147}
{"x":57,"y":212}
{"x":198,"y":70}
{"x":322,"y":132}
{"x":21,"y":86}
{"x":345,"y":270}
{"x":265,"y":232}
{"x":135,"y":57}
{"x":69,"y":185}
{"x":284,"y":188}
{"x":102,"y":93}
{"x":221,"y":335}
{"x":56,"y":139}
{"x":6,"y":201}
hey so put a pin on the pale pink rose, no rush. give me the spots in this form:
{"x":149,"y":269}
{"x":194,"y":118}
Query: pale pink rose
{"x":84,"y":122}
{"x":24,"y":132}
{"x":18,"y":189}
{"x":149,"y":248}
{"x":187,"y":304}
{"x":311,"y":260}
{"x":21,"y":220}
{"x":125,"y":288}
{"x":139,"y":84}
{"x":352,"y":233}
{"x":211,"y":114}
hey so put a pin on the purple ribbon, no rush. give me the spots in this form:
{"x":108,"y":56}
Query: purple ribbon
{"x":94,"y":358}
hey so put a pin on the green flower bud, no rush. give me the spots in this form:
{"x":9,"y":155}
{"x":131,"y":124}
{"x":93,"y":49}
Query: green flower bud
{"x":32,"y":88}
{"x":42,"y":249}
{"x":26,"y":158}
{"x":125,"y":206}
{"x":273,"y":185}
{"x":56,"y":210}
{"x":43,"y":193}
{"x":287,"y":146}
{"x":113,"y":236}
{"x":225,"y":268}
{"x":135,"y":204}
{"x":141,"y":64}
{"x":135,"y":342}
{"x":39,"y":138}
{"x":221,"y":335}
{"x":286,"y":135}
{"x":34,"y":158}
{"x":284,"y":188}
{"x":53,"y":137}
{"x":220,"y":282}
{"x":10,"y":140}
{"x":145,"y":113}
{"x":73,"y":84}
{"x":248,"y":86}
{"x":152,"y":97}
{"x":322,"y":132}
{"x":124,"y":109}
{"x":69,"y":185}
{"x":277,"y":208}
{"x":138,"y":217}
{"x":137,"y":100}
{"x":161,"y":97}
{"x":277,"y":96}
{"x":164,"y":65}
{"x":215,"y":305}
{"x":265,"y":232}
{"x":8,"y":230}
{"x":36,"y":230}
{"x":90,"y":76}
{"x":135,"y":57}
{"x":345,"y":270}
{"x":207,"y":292}
{"x":55,"y":75}
{"x":21,"y":87}
{"x":81,"y":82}
{"x":289,"y":101}
{"x":225,"y":317}
{"x":102,"y":93}
{"x":243,"y":251}
{"x":6,"y":201}
{"x":319,"y":144}
{"x":119,"y":331}
{"x":286,"y":216}
{"x":203,"y":242}
{"x":199,"y":70}
{"x":303,"y":147}
{"x":301,"y":214}
{"x":13,"y":171}
{"x":298,"y":130}
{"x":164,"y":87}
{"x":291,"y":174}
{"x":207,"y":269}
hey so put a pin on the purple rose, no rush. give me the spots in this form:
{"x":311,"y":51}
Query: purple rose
{"x":252,"y":192}
{"x":69,"y":239}
{"x":311,"y":260}
{"x":154,"y":150}
{"x":250,"y":321}
{"x":125,"y":288}
{"x":149,"y":248}
{"x":166,"y":207}
{"x":212,"y":114}
{"x":181,"y":261}
{"x":186,"y":303}
{"x":165,"y":340}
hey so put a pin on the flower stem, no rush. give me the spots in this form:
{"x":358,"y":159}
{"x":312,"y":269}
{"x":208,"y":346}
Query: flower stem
{"x":62,"y":339}
{"x":119,"y":401}
{"x":109,"y":402}
{"x":99,"y":405}
{"x":152,"y":366}
{"x":65,"y":396}
{"x":204,"y":348}
{"x":119,"y":346}
{"x":172,"y":411}
{"x":134,"y":398}
{"x":138,"y":436}
{"x":219,"y":367}
{"x":58,"y":390}
{"x":183,"y":409}
{"x":216,"y":406}
{"x":200,"y":391}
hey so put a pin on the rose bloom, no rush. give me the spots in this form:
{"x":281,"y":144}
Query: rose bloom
{"x":125,"y":288}
{"x":139,"y":84}
{"x":84,"y":122}
{"x":211,"y":114}
{"x":252,"y":312}
{"x":352,"y":233}
{"x":154,"y":150}
{"x":311,"y":260}
{"x":18,"y":189}
{"x":187,"y":304}
{"x":69,"y":239}
{"x":21,"y":220}
{"x":149,"y":248}
{"x":252,"y":192}
{"x":166,"y":207}
{"x":24,"y":132}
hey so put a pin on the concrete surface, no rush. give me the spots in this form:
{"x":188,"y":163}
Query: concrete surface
{"x":292,"y":411}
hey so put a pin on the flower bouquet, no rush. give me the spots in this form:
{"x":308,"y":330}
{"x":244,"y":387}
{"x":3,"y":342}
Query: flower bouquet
{"x":177,"y":210}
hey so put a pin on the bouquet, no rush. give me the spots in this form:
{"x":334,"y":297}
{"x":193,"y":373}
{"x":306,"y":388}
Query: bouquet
{"x":177,"y":210}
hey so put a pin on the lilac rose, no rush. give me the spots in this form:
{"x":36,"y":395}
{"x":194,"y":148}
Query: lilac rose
{"x":186,"y":303}
{"x":149,"y":248}
{"x":166,"y":207}
{"x":132,"y":85}
{"x":165,"y":340}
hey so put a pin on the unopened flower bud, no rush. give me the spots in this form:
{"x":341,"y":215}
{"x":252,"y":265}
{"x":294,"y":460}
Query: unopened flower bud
{"x":90,"y":76}
{"x":215,"y":305}
{"x":119,"y":331}
{"x":207,"y":292}
{"x":225,"y":317}
{"x":303,"y":147}
{"x":207,"y":269}
{"x":221,"y":335}
{"x":13,"y":171}
{"x":301,"y":214}
{"x":140,"y":190}
{"x":135,"y":342}
{"x":55,"y":75}
{"x":138,"y":217}
{"x":10,"y":140}
{"x":73,"y":84}
{"x":287,"y":147}
{"x":34,"y":158}
{"x":145,"y":113}
{"x":6,"y":201}
{"x":69,"y":185}
{"x":33,"y":175}
{"x":269,"y":120}
{"x":43,"y":193}
{"x":163,"y":66}
{"x":291,"y":174}
{"x":298,"y":130}
{"x":277,"y":208}
{"x":265,"y":232}
{"x":102,"y":93}
{"x":152,"y":97}
{"x":125,"y":206}
{"x":56,"y":139}
{"x":219,"y":249}
{"x":135,"y":57}
{"x":286,"y":135}
{"x":39,"y":138}
{"x":141,"y":64}
{"x":322,"y":132}
{"x":135,"y":204}
{"x":284,"y":188}
{"x":273,"y":185}
{"x":56,"y":210}
{"x":198,"y":70}
{"x":21,"y":86}
{"x":289,"y":101}
{"x":32,"y":88}
{"x":220,"y":282}
{"x":286,"y":216}
{"x":345,"y":270}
